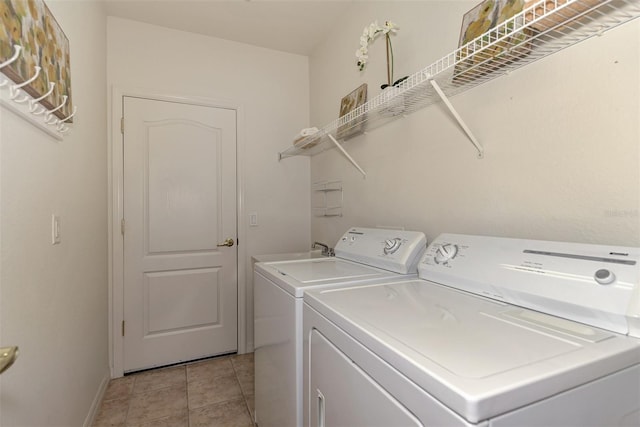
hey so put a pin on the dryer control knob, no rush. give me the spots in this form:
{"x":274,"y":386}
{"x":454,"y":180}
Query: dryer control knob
{"x":604,"y":276}
{"x":392,"y":245}
{"x":446,"y":252}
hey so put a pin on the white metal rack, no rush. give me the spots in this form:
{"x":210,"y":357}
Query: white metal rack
{"x":327,"y":198}
{"x":545,"y":27}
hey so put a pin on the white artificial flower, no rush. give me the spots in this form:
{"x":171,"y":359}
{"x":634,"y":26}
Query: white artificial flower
{"x":373,"y":29}
{"x":389,"y":27}
{"x":369,"y":34}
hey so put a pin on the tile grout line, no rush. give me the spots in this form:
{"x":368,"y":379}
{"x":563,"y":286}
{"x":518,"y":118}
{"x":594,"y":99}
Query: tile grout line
{"x":186,"y":377}
{"x":244,"y":395}
{"x":129,"y":398}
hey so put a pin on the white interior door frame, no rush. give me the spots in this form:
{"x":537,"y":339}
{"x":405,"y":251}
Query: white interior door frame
{"x":115,"y":214}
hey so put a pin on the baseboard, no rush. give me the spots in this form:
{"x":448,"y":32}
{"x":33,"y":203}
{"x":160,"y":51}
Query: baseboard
{"x":97,"y":400}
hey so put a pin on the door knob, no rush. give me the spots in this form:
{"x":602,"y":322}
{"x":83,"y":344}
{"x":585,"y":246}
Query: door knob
{"x":8,"y":355}
{"x":228,"y":242}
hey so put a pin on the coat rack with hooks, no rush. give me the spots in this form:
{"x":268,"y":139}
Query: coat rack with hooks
{"x":14,"y":98}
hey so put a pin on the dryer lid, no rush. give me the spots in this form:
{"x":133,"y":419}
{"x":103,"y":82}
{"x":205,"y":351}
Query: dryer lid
{"x":478,"y":356}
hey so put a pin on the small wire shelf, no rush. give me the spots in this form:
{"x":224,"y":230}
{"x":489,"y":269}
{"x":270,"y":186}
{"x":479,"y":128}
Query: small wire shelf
{"x":327,"y":198}
{"x":541,"y":29}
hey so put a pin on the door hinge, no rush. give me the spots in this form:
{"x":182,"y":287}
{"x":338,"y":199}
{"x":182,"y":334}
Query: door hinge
{"x":122,"y":226}
{"x":123,"y":328}
{"x":122,"y":125}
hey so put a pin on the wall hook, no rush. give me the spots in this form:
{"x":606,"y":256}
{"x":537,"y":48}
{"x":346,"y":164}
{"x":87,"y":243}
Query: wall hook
{"x":17,"y":48}
{"x":47,"y":117}
{"x":50,"y":119}
{"x":33,"y":104}
{"x":75,"y":109}
{"x":15,"y":56}
{"x":22,"y":100}
{"x":15,"y":89}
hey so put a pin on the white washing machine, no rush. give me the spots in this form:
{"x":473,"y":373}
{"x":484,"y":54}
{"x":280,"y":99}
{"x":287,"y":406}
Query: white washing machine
{"x":496,"y":332}
{"x":363,"y":255}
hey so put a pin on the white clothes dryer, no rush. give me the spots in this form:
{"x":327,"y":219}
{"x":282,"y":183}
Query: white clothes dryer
{"x":362,"y":255}
{"x":496,"y":332}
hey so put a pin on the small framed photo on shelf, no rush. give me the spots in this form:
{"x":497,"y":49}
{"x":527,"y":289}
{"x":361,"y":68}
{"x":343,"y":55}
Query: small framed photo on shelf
{"x":485,"y":54}
{"x":348,"y":104}
{"x":567,"y":14}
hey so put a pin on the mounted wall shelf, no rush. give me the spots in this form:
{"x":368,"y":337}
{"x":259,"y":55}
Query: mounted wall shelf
{"x":543,"y":28}
{"x":327,"y":198}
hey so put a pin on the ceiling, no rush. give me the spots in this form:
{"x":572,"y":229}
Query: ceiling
{"x":294,"y":26}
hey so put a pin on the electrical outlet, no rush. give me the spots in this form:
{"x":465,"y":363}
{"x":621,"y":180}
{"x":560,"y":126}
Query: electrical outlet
{"x":55,"y":230}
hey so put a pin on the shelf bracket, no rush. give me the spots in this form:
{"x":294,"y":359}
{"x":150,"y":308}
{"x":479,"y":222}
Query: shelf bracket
{"x":353,"y":162}
{"x":461,"y":122}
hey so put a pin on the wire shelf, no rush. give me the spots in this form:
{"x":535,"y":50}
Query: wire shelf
{"x":545,"y":27}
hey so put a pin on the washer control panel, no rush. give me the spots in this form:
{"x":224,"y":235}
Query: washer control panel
{"x":394,"y":250}
{"x":594,"y":284}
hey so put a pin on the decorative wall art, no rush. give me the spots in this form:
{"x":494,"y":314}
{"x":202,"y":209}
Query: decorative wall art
{"x":477,"y":57}
{"x":30,"y":24}
{"x":348,"y":104}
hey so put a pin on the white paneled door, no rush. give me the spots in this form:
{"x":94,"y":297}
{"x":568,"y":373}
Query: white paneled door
{"x":179,"y":203}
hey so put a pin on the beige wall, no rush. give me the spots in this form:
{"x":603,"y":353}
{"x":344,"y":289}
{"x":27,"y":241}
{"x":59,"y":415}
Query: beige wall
{"x":53,"y":299}
{"x":562,"y":159}
{"x":273,"y":90}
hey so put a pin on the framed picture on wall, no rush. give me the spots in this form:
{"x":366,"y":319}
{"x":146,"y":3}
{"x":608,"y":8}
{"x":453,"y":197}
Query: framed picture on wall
{"x":348,"y":104}
{"x":31,"y":25}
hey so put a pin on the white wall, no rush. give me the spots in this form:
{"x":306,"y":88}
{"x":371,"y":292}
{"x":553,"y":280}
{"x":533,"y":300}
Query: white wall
{"x":562,"y":159}
{"x":273,"y":89}
{"x":53,"y":299}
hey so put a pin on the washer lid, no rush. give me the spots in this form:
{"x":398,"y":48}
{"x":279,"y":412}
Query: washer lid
{"x":479,"y":357}
{"x":296,"y":276}
{"x":326,"y":269}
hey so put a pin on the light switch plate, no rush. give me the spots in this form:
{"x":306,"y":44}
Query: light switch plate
{"x":253,"y":219}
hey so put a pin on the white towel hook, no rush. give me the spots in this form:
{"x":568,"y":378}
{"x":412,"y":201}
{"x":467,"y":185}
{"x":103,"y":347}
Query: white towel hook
{"x":75,"y":109}
{"x":17,"y":49}
{"x":21,"y":100}
{"x":33,"y":104}
{"x":15,"y":89}
{"x":47,"y":117}
{"x":15,"y":56}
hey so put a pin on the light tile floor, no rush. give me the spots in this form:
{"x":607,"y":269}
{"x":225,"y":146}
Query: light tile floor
{"x":211,"y":393}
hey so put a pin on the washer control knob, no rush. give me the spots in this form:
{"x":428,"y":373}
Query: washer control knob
{"x":604,"y":276}
{"x":392,"y":245}
{"x":446,"y":252}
